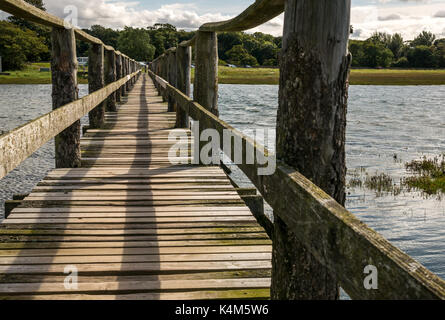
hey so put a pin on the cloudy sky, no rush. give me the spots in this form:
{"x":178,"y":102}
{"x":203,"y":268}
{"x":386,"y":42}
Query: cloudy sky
{"x":407,"y":17}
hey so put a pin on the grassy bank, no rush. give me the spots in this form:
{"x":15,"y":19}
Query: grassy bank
{"x":358,"y":76}
{"x":32,"y":75}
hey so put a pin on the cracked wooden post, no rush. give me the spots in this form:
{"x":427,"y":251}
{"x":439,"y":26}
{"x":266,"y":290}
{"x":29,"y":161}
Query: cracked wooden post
{"x":311,"y":123}
{"x":171,"y":77}
{"x":205,"y":89}
{"x":118,"y":75}
{"x":183,"y":81}
{"x":110,"y":77}
{"x":96,"y":81}
{"x":65,"y":90}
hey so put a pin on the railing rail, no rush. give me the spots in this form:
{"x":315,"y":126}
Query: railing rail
{"x":109,"y":79}
{"x":18,"y":144}
{"x":334,"y":237}
{"x":344,"y":244}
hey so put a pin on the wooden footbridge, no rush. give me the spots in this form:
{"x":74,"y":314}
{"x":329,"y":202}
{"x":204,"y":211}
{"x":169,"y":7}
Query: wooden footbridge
{"x":119,"y":219}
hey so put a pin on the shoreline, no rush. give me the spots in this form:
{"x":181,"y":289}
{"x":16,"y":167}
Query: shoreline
{"x":264,"y":76}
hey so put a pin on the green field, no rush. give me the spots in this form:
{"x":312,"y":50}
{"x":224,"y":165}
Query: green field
{"x":358,"y":76}
{"x":32,"y":75}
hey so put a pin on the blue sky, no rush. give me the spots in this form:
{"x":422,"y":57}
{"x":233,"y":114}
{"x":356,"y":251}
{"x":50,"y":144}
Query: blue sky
{"x":408,"y":17}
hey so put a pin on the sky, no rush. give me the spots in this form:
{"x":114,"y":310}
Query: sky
{"x":408,"y":17}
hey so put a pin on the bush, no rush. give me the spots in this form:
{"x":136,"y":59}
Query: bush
{"x":401,"y":63}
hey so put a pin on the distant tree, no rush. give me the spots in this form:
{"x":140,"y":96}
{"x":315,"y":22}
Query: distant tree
{"x":376,"y":55}
{"x":239,"y":56}
{"x":18,"y":46}
{"x":226,"y":41}
{"x":439,"y":53}
{"x":401,"y":63}
{"x":421,"y":57}
{"x":396,"y":45}
{"x":42,"y":31}
{"x":356,"y":50}
{"x":135,"y":43}
{"x":425,"y":38}
{"x":107,"y":35}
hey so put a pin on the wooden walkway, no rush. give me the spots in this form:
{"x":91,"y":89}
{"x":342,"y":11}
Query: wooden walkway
{"x":133,"y":225}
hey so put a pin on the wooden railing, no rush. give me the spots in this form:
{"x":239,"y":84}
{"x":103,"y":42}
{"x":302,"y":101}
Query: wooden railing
{"x":318,"y":244}
{"x":110,"y":75}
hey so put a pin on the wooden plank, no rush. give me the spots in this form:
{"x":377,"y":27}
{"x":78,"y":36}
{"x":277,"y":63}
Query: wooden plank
{"x":132,"y":244}
{"x":20,"y":260}
{"x":138,"y":286}
{"x":125,"y":232}
{"x":143,"y":267}
{"x":188,"y":295}
{"x":128,"y":220}
{"x":135,"y":251}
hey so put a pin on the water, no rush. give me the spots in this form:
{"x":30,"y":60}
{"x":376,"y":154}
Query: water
{"x":383,"y":121}
{"x":387,"y":126}
{"x":18,"y":105}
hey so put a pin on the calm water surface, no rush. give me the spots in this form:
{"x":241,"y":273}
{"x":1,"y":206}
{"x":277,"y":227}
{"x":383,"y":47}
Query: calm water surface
{"x":387,"y":126}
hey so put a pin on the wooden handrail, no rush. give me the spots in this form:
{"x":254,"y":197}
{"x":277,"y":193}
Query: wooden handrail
{"x":27,"y":11}
{"x":258,"y":13}
{"x":20,"y":143}
{"x":310,"y":213}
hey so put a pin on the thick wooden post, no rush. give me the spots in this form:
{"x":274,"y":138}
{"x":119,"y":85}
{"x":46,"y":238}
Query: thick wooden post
{"x":311,"y":122}
{"x":124,"y":74}
{"x":183,"y":79}
{"x":118,"y":75}
{"x":171,"y":77}
{"x":127,"y":70}
{"x":110,"y":77}
{"x":65,"y":90}
{"x":205,"y":89}
{"x":96,"y":81}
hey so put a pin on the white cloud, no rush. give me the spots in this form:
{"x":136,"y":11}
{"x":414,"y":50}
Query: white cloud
{"x":406,"y":19}
{"x":439,"y":14}
{"x":117,"y":14}
{"x":392,"y":16}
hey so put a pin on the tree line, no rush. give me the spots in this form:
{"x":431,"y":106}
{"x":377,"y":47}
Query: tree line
{"x":22,"y":41}
{"x":383,"y":50}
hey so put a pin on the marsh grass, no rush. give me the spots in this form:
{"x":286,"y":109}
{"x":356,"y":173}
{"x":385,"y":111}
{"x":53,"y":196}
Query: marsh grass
{"x":429,"y":174}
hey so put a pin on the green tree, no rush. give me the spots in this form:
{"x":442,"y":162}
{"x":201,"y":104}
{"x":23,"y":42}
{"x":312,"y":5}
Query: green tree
{"x":42,"y":31}
{"x":439,"y":53}
{"x":421,"y":57}
{"x":376,"y":55}
{"x":425,"y":38}
{"x":396,"y":45}
{"x":107,"y":35}
{"x":17,"y":46}
{"x":356,"y":50}
{"x":135,"y":43}
{"x":238,"y":55}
